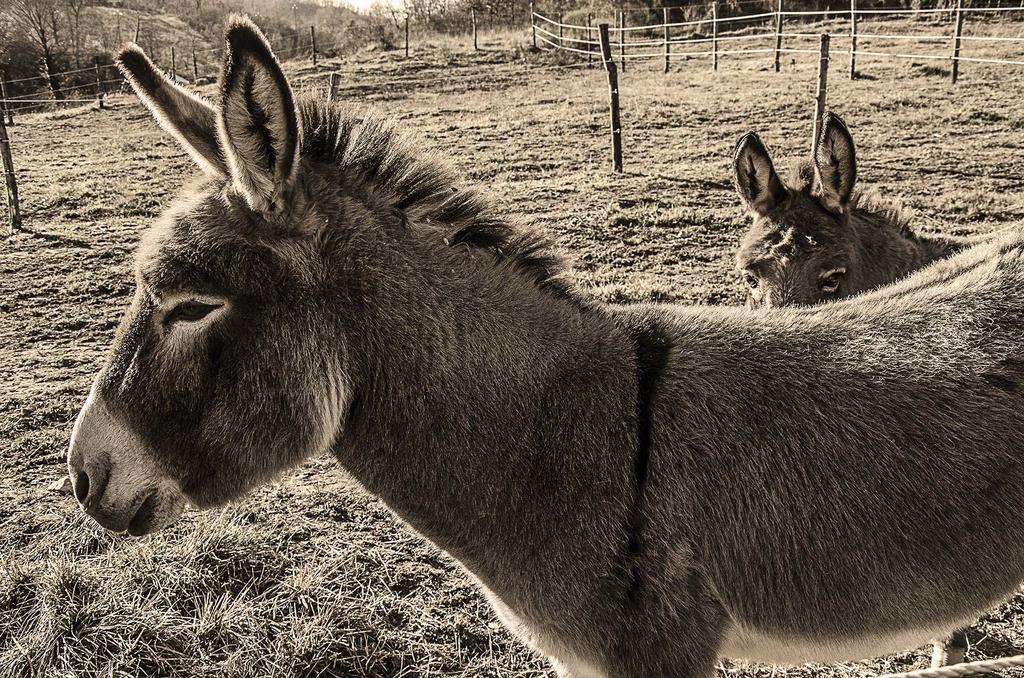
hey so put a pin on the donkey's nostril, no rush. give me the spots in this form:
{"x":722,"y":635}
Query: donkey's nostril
{"x":82,"y":486}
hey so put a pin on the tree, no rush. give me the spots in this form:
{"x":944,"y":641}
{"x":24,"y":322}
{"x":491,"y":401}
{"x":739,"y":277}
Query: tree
{"x":40,"y":19}
{"x":75,"y":7}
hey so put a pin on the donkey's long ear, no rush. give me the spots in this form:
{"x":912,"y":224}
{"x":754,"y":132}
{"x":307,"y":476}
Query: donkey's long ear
{"x":757,"y":182}
{"x":835,"y":164}
{"x":185,"y":115}
{"x":259,"y":126}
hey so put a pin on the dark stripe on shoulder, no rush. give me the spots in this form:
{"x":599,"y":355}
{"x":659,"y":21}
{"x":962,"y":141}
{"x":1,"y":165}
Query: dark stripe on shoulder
{"x":652,"y":345}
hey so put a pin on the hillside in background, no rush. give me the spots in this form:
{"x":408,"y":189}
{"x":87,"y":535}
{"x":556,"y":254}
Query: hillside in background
{"x":44,"y":42}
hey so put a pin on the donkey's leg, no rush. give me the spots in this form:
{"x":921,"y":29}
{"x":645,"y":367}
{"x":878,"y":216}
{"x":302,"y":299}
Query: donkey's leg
{"x":698,"y":663}
{"x":684,"y":647}
{"x":949,"y":650}
{"x":569,"y":669}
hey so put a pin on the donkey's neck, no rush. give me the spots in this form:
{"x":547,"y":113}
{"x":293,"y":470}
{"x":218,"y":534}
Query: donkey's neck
{"x":886,"y":251}
{"x":935,"y":247}
{"x":490,"y":414}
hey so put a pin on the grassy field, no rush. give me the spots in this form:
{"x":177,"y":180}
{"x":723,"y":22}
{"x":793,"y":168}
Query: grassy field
{"x":310,"y":577}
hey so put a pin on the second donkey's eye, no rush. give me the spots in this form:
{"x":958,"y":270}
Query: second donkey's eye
{"x":189,"y":311}
{"x":752,"y":281}
{"x":829,"y":281}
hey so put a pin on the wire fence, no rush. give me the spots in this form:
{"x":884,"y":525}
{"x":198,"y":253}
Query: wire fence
{"x":720,"y":36}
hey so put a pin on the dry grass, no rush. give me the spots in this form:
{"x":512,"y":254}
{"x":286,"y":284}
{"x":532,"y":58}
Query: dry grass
{"x":309,"y":577}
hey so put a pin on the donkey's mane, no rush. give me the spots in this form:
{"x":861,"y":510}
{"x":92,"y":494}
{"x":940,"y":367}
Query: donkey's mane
{"x":884,"y":212}
{"x":370,"y":153}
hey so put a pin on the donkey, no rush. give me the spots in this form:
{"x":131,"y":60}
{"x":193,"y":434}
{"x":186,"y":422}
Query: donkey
{"x":819,"y":239}
{"x":637,"y":490}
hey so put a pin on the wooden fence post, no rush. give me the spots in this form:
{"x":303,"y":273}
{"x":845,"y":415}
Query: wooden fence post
{"x":99,"y":84}
{"x":714,"y":35}
{"x":195,"y":67}
{"x":590,"y":38}
{"x":622,"y":40}
{"x":406,"y":36}
{"x":138,"y":28}
{"x":853,"y":39}
{"x":778,"y":35}
{"x":472,"y":15}
{"x":613,"y":91}
{"x":13,"y":208}
{"x":956,"y":39}
{"x":561,"y":32}
{"x":3,"y":94}
{"x":665,"y":12}
{"x":312,"y":42}
{"x":822,"y":95}
{"x":332,"y":88}
{"x":174,"y":63}
{"x":533,"y":25}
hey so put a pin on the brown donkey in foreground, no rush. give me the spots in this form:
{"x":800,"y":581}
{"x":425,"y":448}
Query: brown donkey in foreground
{"x":637,"y":490}
{"x":818,"y":239}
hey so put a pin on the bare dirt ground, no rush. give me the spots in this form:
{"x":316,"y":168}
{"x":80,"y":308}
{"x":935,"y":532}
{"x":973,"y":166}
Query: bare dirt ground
{"x":309,"y":576}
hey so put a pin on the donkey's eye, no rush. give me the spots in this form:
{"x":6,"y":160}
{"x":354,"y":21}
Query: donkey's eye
{"x":752,"y":281}
{"x":830,"y":283}
{"x":190,"y":311}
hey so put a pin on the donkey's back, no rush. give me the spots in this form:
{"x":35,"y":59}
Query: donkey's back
{"x":806,"y":460}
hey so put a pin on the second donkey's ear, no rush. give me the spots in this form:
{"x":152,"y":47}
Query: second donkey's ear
{"x":259,"y":126}
{"x":188,"y":117}
{"x":835,"y":163}
{"x":757,"y":182}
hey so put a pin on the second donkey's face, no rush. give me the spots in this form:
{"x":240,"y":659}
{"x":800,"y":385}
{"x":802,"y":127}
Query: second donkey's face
{"x":800,"y":249}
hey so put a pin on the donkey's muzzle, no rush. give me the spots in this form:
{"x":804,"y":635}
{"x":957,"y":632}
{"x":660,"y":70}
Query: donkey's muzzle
{"x":114,"y":478}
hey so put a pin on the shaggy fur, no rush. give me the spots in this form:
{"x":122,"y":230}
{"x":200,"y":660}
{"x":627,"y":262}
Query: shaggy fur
{"x":819,"y":238}
{"x":637,"y":490}
{"x":376,"y":160}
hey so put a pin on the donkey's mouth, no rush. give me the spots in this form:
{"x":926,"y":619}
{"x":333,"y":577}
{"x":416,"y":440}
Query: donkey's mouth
{"x":145,"y":517}
{"x":156,"y":512}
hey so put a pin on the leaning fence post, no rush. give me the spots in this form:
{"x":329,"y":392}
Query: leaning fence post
{"x":99,"y":85}
{"x":714,"y":35}
{"x":472,"y":16}
{"x":138,"y":28}
{"x":665,"y":12}
{"x":613,"y":92}
{"x":622,"y":40}
{"x":332,"y":88}
{"x":956,"y":39}
{"x":822,"y":94}
{"x":533,"y":25}
{"x":195,"y":67}
{"x":590,"y":39}
{"x":312,"y":42}
{"x":7,"y":104}
{"x":13,"y":209}
{"x":778,"y":35}
{"x":406,"y":36}
{"x":174,"y":63}
{"x":853,"y":39}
